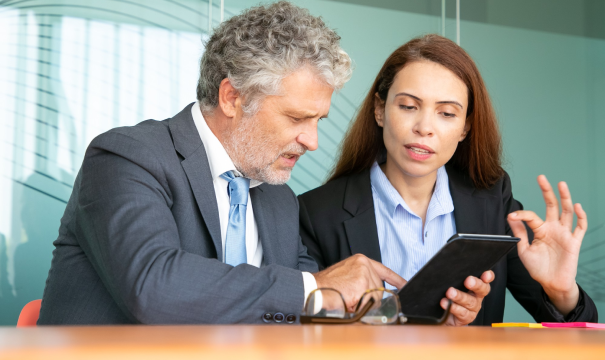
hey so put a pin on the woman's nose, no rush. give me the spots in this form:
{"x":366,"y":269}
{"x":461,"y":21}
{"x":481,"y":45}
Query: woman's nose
{"x":424,"y":124}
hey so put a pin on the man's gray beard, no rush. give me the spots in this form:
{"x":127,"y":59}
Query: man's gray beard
{"x":253,"y":154}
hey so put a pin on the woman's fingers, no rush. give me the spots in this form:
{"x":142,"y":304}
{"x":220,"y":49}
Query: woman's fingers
{"x":519,"y":230}
{"x":462,"y":316}
{"x":552,"y":205}
{"x":582,"y":224}
{"x":566,"y":206}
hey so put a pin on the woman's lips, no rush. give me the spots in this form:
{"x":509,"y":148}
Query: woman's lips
{"x":419,"y":152}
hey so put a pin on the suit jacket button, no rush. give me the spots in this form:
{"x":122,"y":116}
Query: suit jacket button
{"x":278,"y":317}
{"x":290,"y":318}
{"x":267,"y":317}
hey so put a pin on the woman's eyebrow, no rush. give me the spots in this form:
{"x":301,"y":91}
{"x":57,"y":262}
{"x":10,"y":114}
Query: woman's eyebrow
{"x":410,"y":95}
{"x":451,"y":102}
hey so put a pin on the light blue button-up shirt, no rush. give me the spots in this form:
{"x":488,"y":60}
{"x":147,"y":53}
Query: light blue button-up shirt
{"x":404,"y":245}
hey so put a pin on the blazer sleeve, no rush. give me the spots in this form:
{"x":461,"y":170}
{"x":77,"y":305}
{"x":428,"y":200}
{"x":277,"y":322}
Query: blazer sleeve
{"x":127,"y":230}
{"x":306,"y":262}
{"x":308,"y":236}
{"x":526,"y":290}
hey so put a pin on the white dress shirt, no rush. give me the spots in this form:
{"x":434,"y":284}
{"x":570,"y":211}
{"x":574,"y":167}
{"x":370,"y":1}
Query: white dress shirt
{"x":220,"y":162}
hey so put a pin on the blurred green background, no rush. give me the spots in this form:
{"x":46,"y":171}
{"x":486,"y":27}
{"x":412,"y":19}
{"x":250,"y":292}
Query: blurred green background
{"x":70,"y":70}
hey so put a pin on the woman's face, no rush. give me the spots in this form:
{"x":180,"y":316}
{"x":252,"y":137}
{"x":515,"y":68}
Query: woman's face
{"x":423,"y":117}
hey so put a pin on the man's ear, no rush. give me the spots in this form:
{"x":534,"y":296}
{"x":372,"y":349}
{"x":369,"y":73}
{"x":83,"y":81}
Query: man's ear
{"x":378,"y":110}
{"x":467,"y":128}
{"x":229,"y":99}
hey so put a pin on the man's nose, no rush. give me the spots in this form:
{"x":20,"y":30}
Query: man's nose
{"x":308,"y":138}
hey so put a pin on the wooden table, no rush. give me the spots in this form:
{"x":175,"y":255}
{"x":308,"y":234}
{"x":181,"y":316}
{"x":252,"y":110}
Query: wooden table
{"x":299,"y":342}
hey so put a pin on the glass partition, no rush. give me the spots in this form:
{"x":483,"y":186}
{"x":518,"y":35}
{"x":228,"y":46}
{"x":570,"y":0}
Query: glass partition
{"x":72,"y":69}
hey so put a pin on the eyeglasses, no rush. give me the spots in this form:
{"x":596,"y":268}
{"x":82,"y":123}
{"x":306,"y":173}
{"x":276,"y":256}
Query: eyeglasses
{"x":376,"y":307}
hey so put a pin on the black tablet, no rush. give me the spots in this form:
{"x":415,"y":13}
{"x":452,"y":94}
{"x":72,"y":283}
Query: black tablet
{"x":463,"y":255}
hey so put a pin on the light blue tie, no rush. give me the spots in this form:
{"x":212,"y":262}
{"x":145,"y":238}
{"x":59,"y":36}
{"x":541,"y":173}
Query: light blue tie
{"x":235,"y":240}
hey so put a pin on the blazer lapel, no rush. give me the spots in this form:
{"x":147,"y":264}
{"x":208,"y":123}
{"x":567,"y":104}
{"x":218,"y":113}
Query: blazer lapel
{"x":188,"y":143}
{"x":361,"y":230}
{"x":470,"y":210}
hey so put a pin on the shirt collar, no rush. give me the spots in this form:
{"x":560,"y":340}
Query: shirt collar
{"x":218,"y":159}
{"x":441,"y":201}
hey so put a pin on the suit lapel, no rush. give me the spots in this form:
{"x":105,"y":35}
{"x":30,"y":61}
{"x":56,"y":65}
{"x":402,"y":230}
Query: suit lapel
{"x":470,"y":209}
{"x":361,"y":230}
{"x":188,"y":143}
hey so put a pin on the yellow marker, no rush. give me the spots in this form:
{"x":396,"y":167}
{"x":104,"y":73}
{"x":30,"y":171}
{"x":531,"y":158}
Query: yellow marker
{"x":527,"y":325}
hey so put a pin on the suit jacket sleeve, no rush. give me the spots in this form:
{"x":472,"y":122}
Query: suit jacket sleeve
{"x":305,"y":261}
{"x":308,"y":237}
{"x":128,"y":232}
{"x":527,"y":291}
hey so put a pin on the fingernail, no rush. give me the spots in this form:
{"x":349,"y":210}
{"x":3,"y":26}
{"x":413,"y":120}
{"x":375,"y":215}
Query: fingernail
{"x":513,"y":214}
{"x":471,"y":282}
{"x":451,"y":293}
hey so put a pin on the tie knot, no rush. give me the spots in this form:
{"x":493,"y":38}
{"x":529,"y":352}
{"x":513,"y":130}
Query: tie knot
{"x":238,"y":188}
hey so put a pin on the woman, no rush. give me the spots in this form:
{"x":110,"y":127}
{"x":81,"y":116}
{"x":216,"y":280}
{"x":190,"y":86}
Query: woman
{"x":421,"y":162}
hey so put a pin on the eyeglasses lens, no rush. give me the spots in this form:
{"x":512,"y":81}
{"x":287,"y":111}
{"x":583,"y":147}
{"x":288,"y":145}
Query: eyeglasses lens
{"x":385,"y":309}
{"x":325,"y":303}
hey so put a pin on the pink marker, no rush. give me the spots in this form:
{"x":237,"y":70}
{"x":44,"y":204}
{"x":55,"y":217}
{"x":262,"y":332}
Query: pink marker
{"x":574,"y":325}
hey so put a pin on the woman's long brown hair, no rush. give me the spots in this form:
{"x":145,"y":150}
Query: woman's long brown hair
{"x":478,"y":154}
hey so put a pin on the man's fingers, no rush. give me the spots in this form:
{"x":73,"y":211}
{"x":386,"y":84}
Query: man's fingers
{"x":582,"y":224}
{"x":566,"y":206}
{"x":552,"y":205}
{"x":519,"y":231}
{"x":388,"y":275}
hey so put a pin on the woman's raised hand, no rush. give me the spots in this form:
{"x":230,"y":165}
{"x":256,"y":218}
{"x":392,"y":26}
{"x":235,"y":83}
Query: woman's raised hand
{"x":552,"y":258}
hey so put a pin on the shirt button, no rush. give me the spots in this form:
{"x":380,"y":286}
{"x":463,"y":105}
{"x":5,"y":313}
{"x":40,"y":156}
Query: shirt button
{"x":267,"y":317}
{"x":278,"y":317}
{"x":290,"y":318}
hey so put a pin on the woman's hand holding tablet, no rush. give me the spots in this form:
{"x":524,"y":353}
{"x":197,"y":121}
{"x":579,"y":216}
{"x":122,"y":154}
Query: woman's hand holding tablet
{"x":552,"y":258}
{"x":466,"y":305}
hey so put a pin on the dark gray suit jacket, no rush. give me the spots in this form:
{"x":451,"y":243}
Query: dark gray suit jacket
{"x":140,"y":238}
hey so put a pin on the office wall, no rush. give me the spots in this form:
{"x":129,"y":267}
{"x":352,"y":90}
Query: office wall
{"x":70,"y":70}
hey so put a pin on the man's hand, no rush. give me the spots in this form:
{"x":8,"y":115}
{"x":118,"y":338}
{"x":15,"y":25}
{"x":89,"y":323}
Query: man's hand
{"x":552,"y":258}
{"x":353,"y":276}
{"x":466,"y":306}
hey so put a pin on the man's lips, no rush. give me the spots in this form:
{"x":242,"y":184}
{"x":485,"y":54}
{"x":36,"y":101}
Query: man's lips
{"x":290,"y":156}
{"x":290,"y":159}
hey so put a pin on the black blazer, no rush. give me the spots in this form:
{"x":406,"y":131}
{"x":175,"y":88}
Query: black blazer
{"x":338,"y":220}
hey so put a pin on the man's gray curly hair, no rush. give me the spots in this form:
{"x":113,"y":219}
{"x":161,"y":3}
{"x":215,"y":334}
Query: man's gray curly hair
{"x":258,"y":48}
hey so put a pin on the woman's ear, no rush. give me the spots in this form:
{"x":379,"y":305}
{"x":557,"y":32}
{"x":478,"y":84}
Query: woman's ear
{"x":467,"y":128}
{"x":379,"y":110}
{"x":229,"y":98}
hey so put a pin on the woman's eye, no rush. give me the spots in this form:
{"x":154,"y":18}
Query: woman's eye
{"x":450,"y":115}
{"x":404,"y":107}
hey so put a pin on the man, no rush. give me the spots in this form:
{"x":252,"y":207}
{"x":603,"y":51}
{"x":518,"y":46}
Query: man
{"x":187,"y":220}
